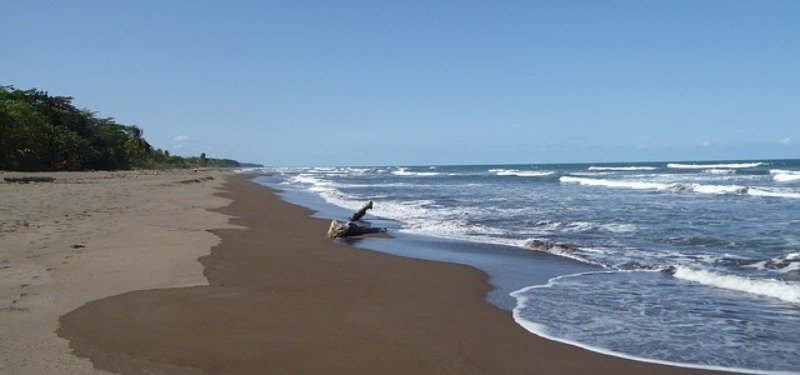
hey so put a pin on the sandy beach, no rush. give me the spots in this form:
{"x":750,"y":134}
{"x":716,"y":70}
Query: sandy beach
{"x":100,"y":273}
{"x":91,"y":235}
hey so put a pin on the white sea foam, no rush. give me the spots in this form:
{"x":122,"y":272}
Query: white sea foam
{"x":619,"y":228}
{"x":631,"y":168}
{"x":579,"y":226}
{"x":718,"y":189}
{"x":308,"y":179}
{"x":638,"y":185}
{"x":764,"y":287}
{"x":548,"y":225}
{"x":783,"y":264}
{"x":406,"y":172}
{"x":784,"y":175}
{"x":338,"y":171}
{"x":776,"y":193}
{"x":519,"y":173}
{"x":713,"y":166}
{"x":253,"y":170}
{"x":328,"y":190}
{"x":719,"y":171}
{"x":690,"y":187}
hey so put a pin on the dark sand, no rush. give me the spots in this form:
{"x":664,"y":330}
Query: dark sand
{"x":286,"y":300}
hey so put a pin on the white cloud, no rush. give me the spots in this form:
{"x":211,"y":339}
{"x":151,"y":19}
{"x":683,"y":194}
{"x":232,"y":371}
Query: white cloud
{"x":181,"y":138}
{"x":786,"y":141}
{"x":705,"y":143}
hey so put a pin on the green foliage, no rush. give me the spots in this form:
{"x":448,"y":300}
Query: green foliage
{"x":39,"y":132}
{"x":139,"y":152}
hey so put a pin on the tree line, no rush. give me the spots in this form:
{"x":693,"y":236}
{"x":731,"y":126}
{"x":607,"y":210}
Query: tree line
{"x":39,"y":132}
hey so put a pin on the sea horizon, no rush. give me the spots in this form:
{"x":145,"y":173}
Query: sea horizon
{"x":267,"y":166}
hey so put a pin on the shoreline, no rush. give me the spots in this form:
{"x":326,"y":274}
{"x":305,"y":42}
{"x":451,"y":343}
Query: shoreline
{"x":509,"y":269}
{"x":282,"y":298}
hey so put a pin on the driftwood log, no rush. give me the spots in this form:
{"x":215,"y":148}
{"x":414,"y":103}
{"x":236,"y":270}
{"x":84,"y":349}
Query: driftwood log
{"x":350,"y":228}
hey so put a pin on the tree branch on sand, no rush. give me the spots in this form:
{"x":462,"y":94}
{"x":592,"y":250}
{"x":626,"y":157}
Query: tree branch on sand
{"x":350,"y":228}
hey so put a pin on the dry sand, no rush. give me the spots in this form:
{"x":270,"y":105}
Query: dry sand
{"x":87,"y":236}
{"x":280,"y":298}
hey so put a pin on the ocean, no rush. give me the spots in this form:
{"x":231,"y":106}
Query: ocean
{"x":693,"y":264}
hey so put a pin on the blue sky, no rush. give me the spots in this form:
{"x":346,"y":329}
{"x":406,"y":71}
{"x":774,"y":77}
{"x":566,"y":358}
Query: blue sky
{"x":424,"y":82}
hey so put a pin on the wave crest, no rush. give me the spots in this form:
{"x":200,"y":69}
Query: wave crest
{"x":714,"y":166}
{"x":631,"y":168}
{"x":519,"y":173}
{"x":406,"y":172}
{"x":684,"y":187}
{"x":764,"y":287}
{"x":785,"y":176}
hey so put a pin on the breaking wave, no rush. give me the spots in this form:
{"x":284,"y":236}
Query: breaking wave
{"x":519,"y":173}
{"x":681,"y":187}
{"x":714,"y":166}
{"x":765,"y":287}
{"x":631,"y":168}
{"x":785,"y":176}
{"x":638,"y":185}
{"x":406,"y":172}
